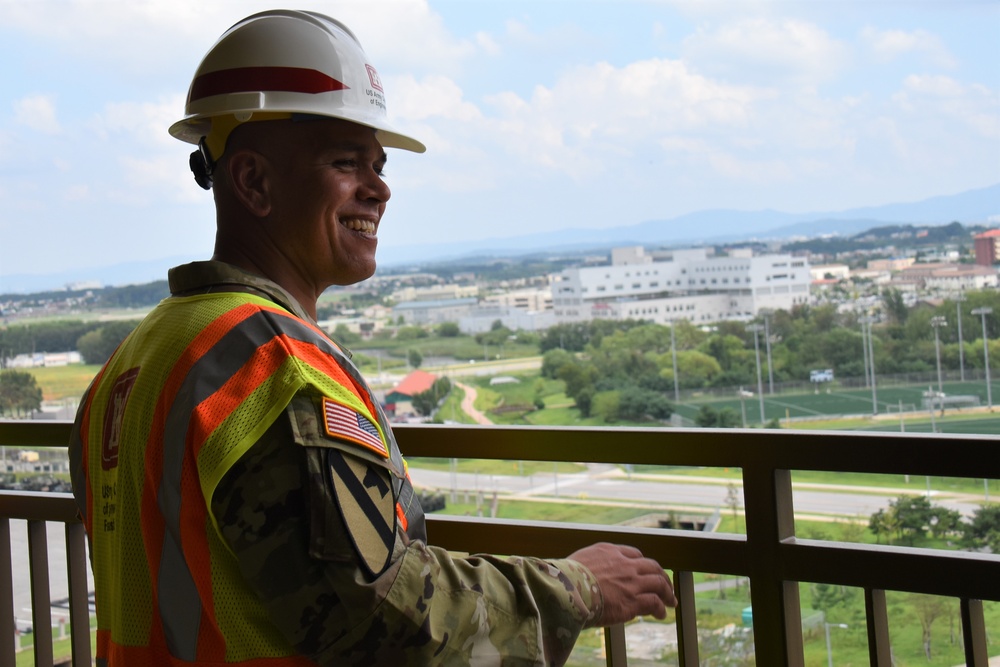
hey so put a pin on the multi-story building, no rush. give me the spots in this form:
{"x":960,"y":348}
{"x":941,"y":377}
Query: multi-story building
{"x":680,"y":284}
{"x":947,"y":277}
{"x":531,"y":299}
{"x":987,"y":247}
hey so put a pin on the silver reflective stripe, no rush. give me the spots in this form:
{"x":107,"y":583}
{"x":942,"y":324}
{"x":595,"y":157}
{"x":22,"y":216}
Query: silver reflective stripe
{"x":179,"y":603}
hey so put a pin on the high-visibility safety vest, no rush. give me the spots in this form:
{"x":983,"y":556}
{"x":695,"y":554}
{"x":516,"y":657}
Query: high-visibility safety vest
{"x":183,"y":398}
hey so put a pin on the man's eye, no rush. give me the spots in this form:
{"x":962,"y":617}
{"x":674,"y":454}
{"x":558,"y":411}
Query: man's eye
{"x":345,"y":164}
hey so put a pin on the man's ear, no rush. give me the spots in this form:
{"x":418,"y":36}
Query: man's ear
{"x":250,"y":176}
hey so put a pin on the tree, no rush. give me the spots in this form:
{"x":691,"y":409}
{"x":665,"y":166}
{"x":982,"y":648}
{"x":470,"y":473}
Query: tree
{"x":928,"y":609}
{"x":425,"y":402}
{"x":553,"y":360}
{"x":606,"y":405}
{"x":410,"y":333}
{"x":447,"y":330}
{"x":707,"y":417}
{"x":20,"y":394}
{"x":914,"y":515}
{"x":342,"y":334}
{"x":983,"y":531}
{"x":97,"y":346}
{"x":895,"y":306}
{"x":414,"y":358}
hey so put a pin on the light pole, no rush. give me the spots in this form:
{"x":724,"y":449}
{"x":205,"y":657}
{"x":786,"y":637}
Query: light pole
{"x":743,"y":404}
{"x":673,"y":354}
{"x":937,"y":322}
{"x":767,"y":346}
{"x":756,"y":329}
{"x":871,"y":360}
{"x":864,"y":349}
{"x":983,"y":312}
{"x":961,"y":342}
{"x":829,"y":651}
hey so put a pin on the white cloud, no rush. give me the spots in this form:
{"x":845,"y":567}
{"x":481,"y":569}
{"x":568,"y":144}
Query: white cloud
{"x":431,"y":97}
{"x":142,"y":123}
{"x":37,"y":112}
{"x":935,"y":96}
{"x":888,"y":45}
{"x":77,"y":193}
{"x":599,"y":110}
{"x":766,"y":50}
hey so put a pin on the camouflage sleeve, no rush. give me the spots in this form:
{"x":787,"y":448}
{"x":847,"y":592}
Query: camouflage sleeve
{"x":427,"y":607}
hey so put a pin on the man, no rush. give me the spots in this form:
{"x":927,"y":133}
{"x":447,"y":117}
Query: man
{"x":243,"y":495}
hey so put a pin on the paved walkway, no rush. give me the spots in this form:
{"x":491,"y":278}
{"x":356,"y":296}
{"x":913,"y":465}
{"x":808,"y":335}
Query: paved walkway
{"x":469,"y":404}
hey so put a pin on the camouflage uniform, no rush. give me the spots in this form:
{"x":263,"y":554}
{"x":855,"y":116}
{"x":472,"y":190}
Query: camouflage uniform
{"x":293,"y":511}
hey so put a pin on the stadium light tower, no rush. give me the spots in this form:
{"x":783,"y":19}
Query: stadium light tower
{"x":756,"y":329}
{"x":937,"y":322}
{"x":767,"y":345}
{"x":868,"y":320}
{"x":673,"y":355}
{"x":961,"y":341}
{"x":983,"y":312}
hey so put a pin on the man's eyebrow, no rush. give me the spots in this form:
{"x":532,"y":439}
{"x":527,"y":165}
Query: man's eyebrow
{"x":356,"y":147}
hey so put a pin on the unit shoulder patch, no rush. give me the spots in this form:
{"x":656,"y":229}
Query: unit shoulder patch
{"x":346,"y":423}
{"x":363,"y":492}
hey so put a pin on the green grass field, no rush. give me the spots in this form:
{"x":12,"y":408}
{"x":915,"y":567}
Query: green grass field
{"x":795,"y":409}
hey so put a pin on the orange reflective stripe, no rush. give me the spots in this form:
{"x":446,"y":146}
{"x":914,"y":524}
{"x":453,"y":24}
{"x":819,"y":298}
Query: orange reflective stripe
{"x":153,"y":524}
{"x":88,"y":521}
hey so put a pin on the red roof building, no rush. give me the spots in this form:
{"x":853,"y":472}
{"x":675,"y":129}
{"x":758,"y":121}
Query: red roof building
{"x":398,"y":401}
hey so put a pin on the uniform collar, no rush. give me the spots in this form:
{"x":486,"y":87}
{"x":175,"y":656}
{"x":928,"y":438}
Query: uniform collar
{"x":213,"y":276}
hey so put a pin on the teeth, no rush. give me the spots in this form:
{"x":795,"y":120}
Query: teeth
{"x":357,"y":225}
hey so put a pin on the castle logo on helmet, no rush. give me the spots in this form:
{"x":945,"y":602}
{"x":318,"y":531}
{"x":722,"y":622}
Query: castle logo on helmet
{"x":373,"y":77}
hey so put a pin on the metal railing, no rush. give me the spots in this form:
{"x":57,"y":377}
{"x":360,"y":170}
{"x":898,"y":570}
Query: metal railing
{"x":770,"y":555}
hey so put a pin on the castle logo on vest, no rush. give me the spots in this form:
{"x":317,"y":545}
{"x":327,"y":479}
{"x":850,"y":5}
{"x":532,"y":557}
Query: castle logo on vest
{"x":114,"y":416}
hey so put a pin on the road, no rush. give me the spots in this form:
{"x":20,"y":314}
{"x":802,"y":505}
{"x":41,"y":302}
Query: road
{"x":610,"y":484}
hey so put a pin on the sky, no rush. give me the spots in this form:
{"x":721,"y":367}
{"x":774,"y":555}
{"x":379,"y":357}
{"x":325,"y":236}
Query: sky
{"x":538,"y":116}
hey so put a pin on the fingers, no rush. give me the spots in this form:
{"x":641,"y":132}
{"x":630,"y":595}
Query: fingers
{"x":631,"y":584}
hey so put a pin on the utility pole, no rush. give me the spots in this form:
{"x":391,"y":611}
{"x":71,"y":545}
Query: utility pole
{"x":756,"y":329}
{"x":937,"y":322}
{"x":767,"y":345}
{"x":961,"y":342}
{"x":673,"y":354}
{"x":871,"y":359}
{"x":983,"y":312}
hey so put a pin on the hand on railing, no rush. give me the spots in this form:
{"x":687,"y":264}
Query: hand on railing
{"x":631,"y":584}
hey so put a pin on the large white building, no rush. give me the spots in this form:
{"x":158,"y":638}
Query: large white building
{"x":680,"y":284}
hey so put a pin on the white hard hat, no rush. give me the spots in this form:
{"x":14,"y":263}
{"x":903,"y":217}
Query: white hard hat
{"x":280,"y":63}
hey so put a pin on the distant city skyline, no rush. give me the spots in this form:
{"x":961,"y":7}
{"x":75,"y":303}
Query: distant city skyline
{"x":538,"y":117}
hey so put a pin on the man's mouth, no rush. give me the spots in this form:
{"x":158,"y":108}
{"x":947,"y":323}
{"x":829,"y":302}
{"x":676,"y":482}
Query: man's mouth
{"x":359,"y":225}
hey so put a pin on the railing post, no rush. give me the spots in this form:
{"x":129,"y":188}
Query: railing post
{"x":777,"y":619}
{"x":8,"y":629}
{"x":877,"y":618}
{"x":615,"y":646}
{"x":41,"y":601}
{"x":974,"y":633}
{"x":79,"y":599}
{"x":687,"y":620}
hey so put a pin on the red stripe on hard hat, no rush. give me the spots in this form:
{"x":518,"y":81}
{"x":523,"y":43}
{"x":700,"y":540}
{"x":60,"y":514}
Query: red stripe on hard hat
{"x":248,"y":79}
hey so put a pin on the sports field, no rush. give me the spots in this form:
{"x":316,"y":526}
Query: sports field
{"x":899,"y":407}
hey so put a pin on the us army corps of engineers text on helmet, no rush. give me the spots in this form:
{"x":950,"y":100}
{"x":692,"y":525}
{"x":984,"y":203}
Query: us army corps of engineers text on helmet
{"x":281,"y":64}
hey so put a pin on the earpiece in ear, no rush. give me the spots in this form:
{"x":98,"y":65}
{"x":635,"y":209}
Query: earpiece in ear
{"x":202,"y":165}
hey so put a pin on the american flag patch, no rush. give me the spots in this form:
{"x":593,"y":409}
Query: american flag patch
{"x":348,"y":424}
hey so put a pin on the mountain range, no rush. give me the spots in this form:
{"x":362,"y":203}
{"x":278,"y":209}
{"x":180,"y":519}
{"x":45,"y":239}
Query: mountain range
{"x":980,"y":206}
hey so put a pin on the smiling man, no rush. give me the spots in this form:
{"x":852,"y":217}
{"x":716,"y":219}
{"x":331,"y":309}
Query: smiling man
{"x":244,"y":497}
